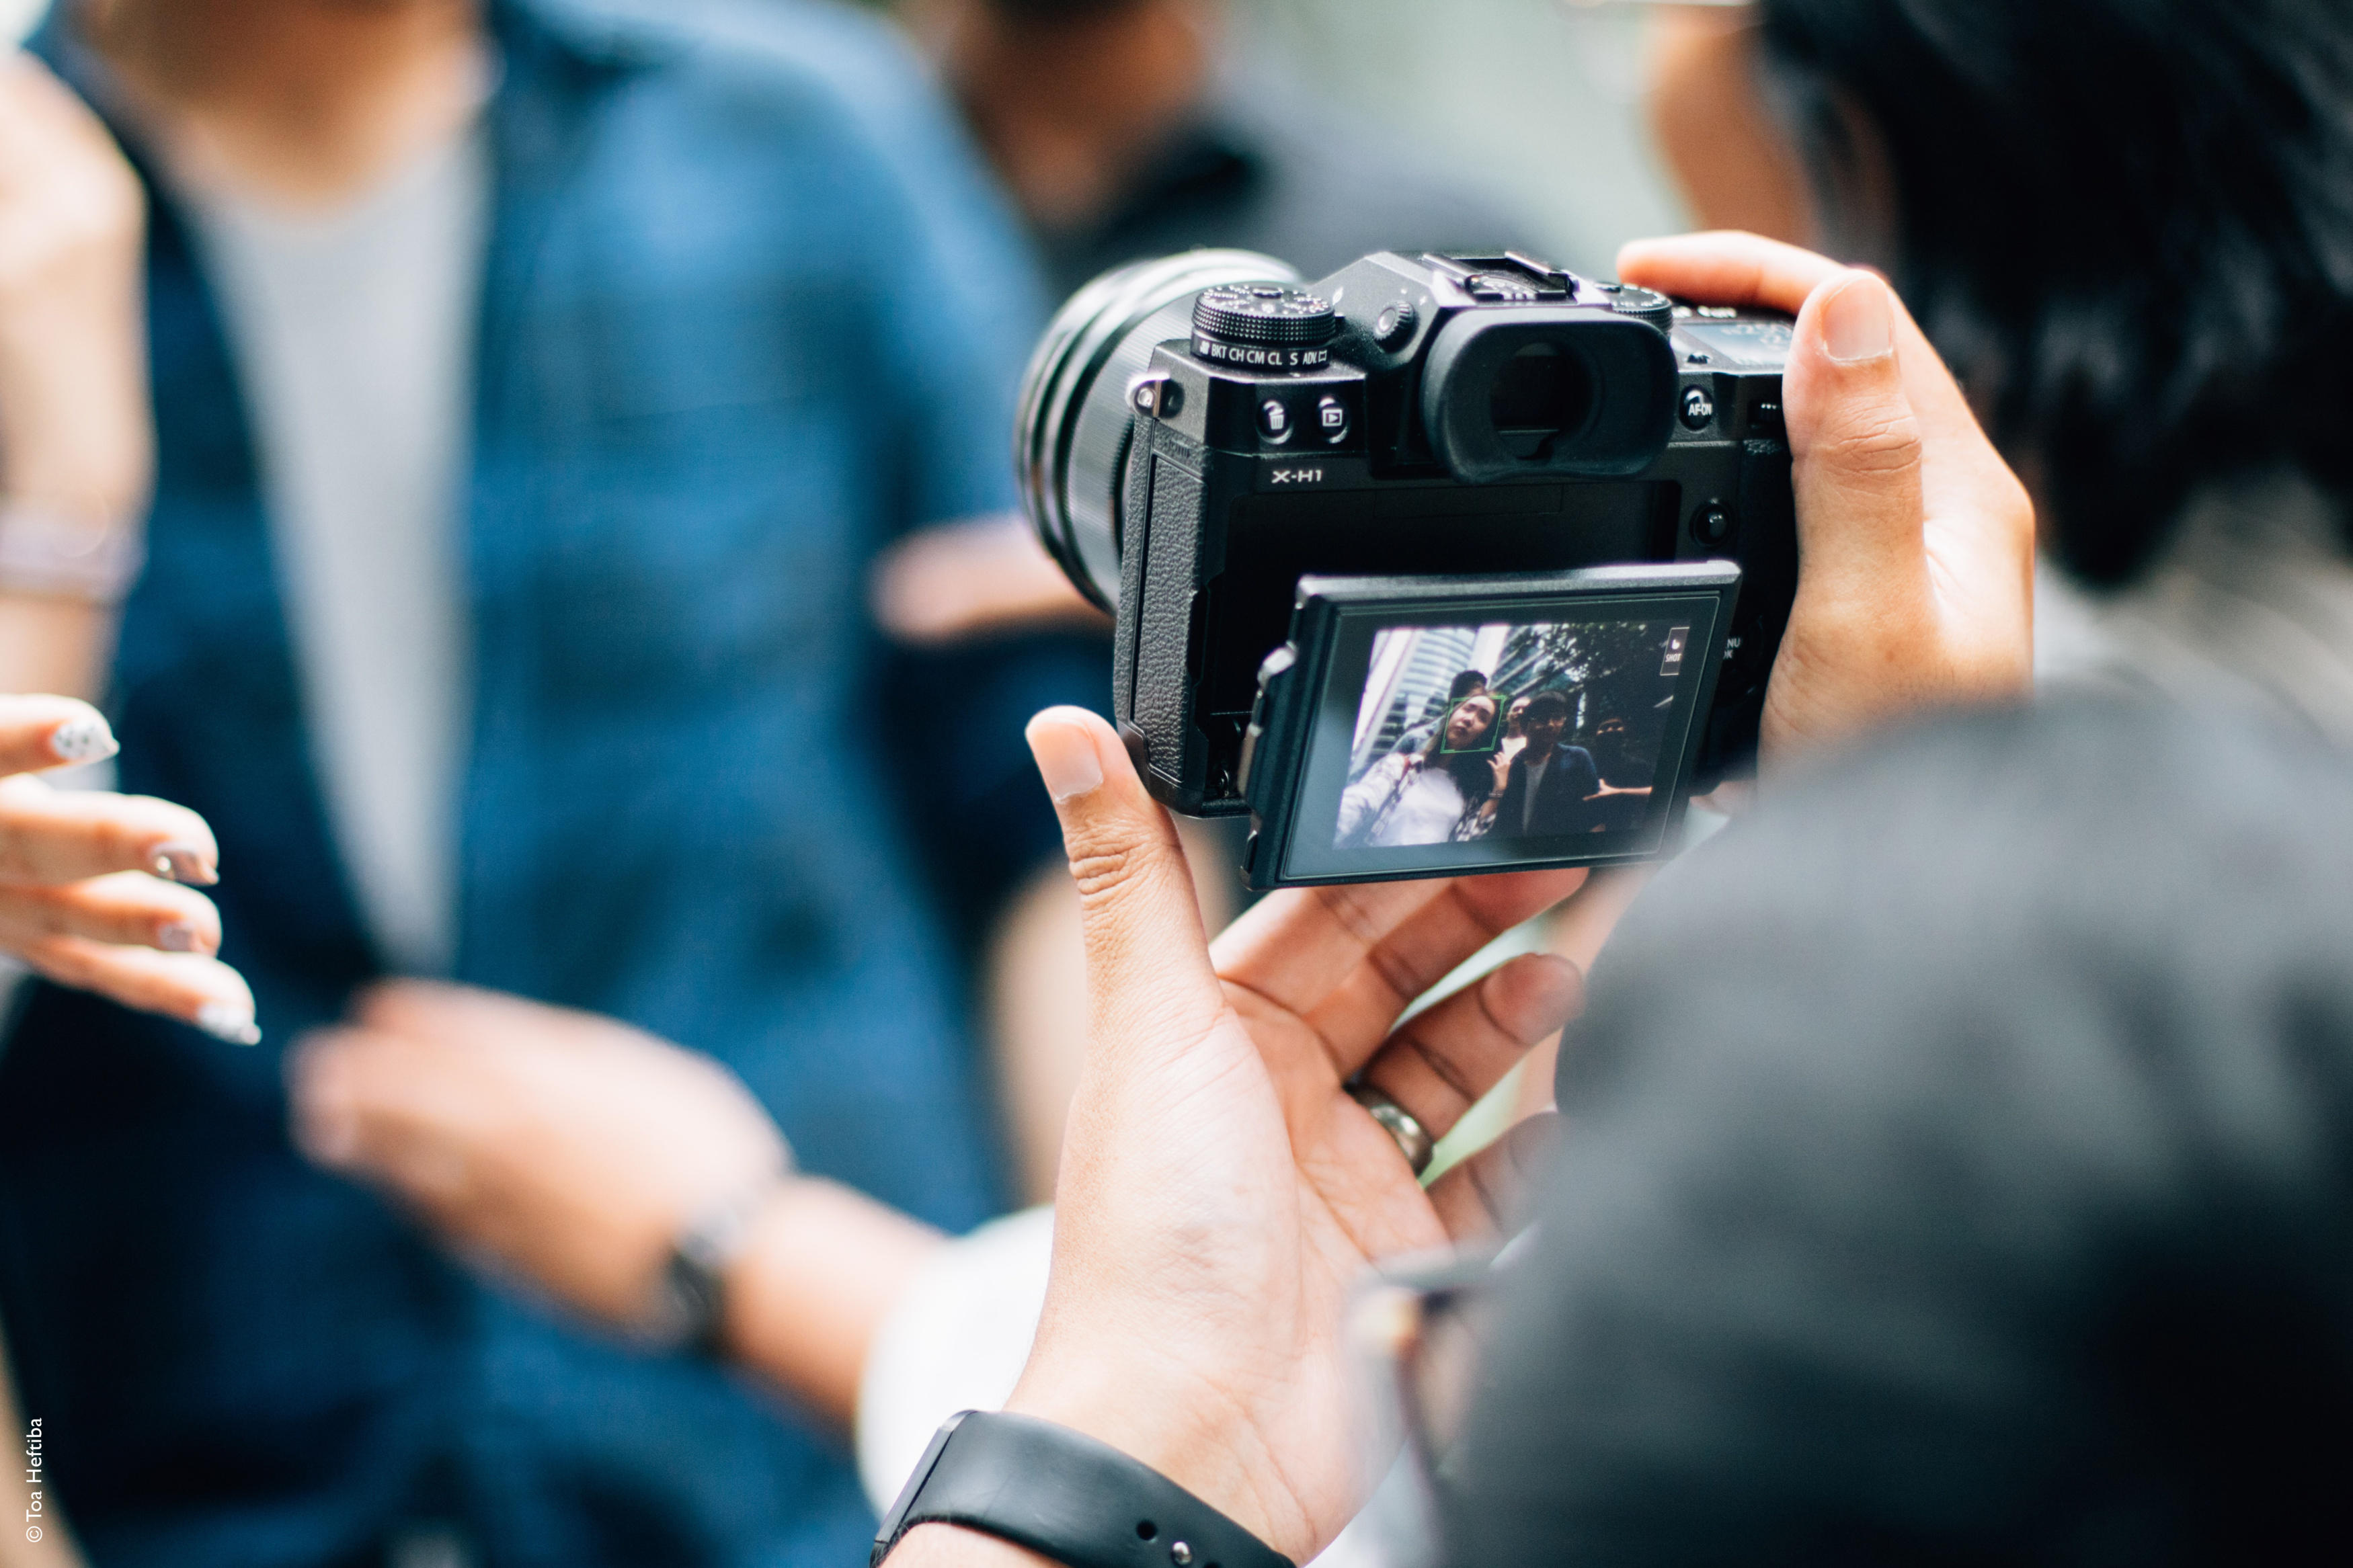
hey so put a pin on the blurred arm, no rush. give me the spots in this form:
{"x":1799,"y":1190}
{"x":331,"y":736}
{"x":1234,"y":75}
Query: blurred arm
{"x":572,"y":1151}
{"x":75,"y":441}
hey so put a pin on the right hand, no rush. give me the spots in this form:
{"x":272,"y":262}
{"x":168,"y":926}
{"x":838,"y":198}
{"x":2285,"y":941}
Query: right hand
{"x":1220,"y":1193}
{"x":1915,"y":543}
{"x":569,"y":1148}
{"x":74,"y":432}
{"x":92,"y":886}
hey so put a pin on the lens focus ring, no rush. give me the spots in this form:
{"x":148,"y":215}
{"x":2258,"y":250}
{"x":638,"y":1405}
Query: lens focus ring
{"x":1072,"y":435}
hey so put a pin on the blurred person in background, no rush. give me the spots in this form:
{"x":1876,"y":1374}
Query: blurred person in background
{"x":1128,"y":129}
{"x":97,"y":891}
{"x":2128,"y":226}
{"x":534,"y":384}
{"x":578,"y":1179}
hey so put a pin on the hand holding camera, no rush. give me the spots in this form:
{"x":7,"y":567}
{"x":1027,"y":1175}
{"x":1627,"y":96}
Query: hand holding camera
{"x":1223,"y":1239}
{"x":1916,"y":540}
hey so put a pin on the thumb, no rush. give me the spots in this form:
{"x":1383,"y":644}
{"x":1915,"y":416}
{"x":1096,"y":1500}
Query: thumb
{"x":1856,"y":442}
{"x":1148,"y":970}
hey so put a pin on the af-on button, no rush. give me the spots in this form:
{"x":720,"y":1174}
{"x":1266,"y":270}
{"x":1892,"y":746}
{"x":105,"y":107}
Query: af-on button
{"x":1698,"y":409}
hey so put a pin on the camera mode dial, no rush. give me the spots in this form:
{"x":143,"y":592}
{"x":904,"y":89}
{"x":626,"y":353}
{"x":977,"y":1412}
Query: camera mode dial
{"x":1264,"y":326}
{"x":1642,"y":303}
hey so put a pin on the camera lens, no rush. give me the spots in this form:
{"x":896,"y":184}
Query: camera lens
{"x":1071,"y":439}
{"x":1541,"y":394}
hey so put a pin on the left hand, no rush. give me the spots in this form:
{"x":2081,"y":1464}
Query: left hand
{"x":566,"y":1147}
{"x":1221,"y":1193}
{"x":96,"y":889}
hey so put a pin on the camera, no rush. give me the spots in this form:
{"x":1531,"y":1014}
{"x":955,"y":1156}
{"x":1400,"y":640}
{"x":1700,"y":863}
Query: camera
{"x":1442,"y":564}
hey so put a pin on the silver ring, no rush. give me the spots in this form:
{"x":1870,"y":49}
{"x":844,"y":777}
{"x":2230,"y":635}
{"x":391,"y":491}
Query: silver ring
{"x":1413,"y":1140}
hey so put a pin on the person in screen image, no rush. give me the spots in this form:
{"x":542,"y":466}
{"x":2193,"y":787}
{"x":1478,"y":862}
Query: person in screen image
{"x":1551,"y":782}
{"x":1469,"y":683}
{"x":1430,"y":796}
{"x":1624,"y":798}
{"x":1515,"y":734}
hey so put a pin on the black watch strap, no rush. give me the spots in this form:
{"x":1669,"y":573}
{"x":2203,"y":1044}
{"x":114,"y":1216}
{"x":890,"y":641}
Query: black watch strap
{"x":1064,"y":1495}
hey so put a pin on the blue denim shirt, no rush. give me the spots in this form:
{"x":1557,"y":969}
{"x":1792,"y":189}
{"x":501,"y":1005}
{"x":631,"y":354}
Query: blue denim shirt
{"x":750,"y":312}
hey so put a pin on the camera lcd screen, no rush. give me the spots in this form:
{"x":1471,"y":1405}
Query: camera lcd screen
{"x":1542,"y":734}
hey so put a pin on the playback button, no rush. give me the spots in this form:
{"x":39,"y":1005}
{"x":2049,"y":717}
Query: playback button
{"x":1332,"y":421}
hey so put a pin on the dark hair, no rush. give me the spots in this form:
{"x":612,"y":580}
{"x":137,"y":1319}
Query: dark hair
{"x":2127,"y":223}
{"x":1550,"y":698}
{"x":1464,"y":684}
{"x":1960,"y":1172}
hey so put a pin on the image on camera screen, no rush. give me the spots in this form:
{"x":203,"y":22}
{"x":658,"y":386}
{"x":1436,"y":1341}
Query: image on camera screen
{"x":1503,"y":734}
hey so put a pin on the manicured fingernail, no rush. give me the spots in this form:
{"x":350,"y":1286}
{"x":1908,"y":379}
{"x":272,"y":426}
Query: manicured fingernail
{"x":186,"y":863}
{"x":83,"y":740}
{"x":226,"y":1021}
{"x":177,"y":937}
{"x":1066,"y":759}
{"x":1858,"y":322}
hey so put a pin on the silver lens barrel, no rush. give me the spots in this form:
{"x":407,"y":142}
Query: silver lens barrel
{"x":1070,"y":439}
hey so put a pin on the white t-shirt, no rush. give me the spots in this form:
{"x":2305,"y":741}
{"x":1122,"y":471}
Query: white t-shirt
{"x":353,"y":333}
{"x":1422,"y":804}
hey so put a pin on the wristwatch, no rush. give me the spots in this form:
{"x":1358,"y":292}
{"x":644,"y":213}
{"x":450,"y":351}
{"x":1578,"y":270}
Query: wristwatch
{"x":690,"y":1311}
{"x":1063,"y":1495}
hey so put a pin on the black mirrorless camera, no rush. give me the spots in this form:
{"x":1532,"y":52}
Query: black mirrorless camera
{"x":1442,"y":564}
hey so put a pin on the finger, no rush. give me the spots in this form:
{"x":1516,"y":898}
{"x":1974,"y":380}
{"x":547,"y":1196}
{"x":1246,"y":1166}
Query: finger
{"x":1746,"y":269}
{"x":129,"y":909}
{"x":1728,"y":269}
{"x":197,"y":990}
{"x":1148,"y":975}
{"x":395,"y":1111}
{"x":1489,"y":1193}
{"x":1857,"y":446}
{"x":1348,"y":960}
{"x":41,"y":732}
{"x":49,"y":836}
{"x":1443,"y":1061}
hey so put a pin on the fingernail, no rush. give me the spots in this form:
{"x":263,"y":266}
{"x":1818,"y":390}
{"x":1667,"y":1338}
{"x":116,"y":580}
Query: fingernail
{"x":177,"y":937}
{"x":1858,"y":322}
{"x":1066,"y":759}
{"x":83,"y":740}
{"x":186,"y":864}
{"x":226,"y":1021}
